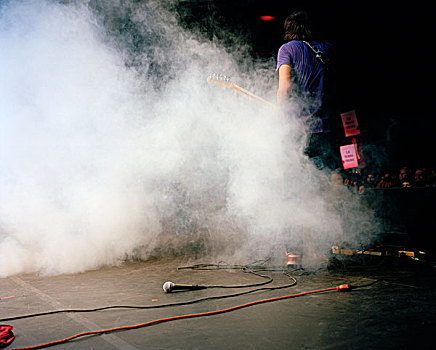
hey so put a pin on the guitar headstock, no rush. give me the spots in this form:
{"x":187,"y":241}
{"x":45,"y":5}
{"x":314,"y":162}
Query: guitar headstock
{"x":221,"y":80}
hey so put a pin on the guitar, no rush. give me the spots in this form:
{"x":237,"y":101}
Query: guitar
{"x":225,"y":83}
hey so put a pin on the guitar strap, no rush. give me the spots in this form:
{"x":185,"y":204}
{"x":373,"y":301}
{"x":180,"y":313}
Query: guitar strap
{"x":318,"y":53}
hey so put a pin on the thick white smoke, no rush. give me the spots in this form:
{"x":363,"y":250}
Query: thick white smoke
{"x":112,"y":149}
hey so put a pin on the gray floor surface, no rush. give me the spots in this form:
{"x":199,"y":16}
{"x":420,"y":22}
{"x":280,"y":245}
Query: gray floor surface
{"x":395,"y":311}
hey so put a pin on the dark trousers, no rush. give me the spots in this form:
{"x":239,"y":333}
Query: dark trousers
{"x":323,"y":149}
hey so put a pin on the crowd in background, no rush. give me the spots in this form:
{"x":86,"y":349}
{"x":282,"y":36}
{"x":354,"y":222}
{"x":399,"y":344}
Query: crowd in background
{"x":358,"y":180}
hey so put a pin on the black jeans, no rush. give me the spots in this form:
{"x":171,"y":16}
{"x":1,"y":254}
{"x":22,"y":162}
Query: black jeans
{"x":323,"y":149}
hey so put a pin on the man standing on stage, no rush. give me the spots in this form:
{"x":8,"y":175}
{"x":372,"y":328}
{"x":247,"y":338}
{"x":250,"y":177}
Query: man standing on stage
{"x":305,"y":77}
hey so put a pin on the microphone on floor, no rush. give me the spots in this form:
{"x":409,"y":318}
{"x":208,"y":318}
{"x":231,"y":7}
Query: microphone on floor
{"x":169,"y":286}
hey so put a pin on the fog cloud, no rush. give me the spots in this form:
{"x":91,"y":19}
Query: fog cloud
{"x":114,"y":146}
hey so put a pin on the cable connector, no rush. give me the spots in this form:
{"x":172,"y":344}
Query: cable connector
{"x":343,"y":288}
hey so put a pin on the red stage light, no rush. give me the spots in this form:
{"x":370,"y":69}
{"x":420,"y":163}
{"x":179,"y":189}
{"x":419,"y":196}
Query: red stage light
{"x":267,"y":18}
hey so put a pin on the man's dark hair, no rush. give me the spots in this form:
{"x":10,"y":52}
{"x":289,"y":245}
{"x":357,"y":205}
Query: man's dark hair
{"x":297,"y":26}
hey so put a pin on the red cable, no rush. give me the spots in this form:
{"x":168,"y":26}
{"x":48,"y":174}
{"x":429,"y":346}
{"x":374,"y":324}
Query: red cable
{"x":342,"y":287}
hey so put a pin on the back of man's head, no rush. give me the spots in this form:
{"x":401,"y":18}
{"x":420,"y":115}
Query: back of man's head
{"x":297,"y":26}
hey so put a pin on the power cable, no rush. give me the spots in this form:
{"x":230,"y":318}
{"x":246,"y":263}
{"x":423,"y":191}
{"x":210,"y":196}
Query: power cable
{"x":200,"y":266}
{"x":340,"y":288}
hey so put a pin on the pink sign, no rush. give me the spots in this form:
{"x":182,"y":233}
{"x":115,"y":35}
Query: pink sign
{"x":349,"y":121}
{"x":349,"y":156}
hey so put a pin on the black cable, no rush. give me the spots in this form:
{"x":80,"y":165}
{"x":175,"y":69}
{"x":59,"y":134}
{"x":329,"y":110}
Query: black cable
{"x":244,"y":268}
{"x":392,"y":281}
{"x":365,"y":285}
{"x":293,"y":283}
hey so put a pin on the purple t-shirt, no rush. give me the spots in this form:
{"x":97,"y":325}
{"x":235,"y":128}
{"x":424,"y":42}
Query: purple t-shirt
{"x":308,"y":75}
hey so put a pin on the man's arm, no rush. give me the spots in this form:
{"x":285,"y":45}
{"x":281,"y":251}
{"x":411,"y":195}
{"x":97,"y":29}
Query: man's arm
{"x":284,"y":84}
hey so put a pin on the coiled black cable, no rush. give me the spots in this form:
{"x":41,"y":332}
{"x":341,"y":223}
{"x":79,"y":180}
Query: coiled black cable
{"x":244,"y":268}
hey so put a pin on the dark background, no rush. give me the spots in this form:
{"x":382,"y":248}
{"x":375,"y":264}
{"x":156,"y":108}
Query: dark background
{"x":384,"y":62}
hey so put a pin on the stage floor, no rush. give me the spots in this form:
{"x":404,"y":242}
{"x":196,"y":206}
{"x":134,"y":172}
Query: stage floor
{"x":397,"y":309}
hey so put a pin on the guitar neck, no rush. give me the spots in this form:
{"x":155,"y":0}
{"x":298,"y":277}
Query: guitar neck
{"x":252,"y":97}
{"x":225,"y":83}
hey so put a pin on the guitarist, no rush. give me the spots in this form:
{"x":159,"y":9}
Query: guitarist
{"x":306,"y":78}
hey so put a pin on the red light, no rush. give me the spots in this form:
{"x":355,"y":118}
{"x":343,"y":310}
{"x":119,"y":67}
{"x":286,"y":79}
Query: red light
{"x":267,"y":18}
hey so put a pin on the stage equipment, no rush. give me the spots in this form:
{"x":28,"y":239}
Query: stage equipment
{"x":169,"y":286}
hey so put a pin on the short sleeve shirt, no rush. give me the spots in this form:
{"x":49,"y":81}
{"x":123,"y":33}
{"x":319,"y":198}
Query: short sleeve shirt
{"x":307,"y":71}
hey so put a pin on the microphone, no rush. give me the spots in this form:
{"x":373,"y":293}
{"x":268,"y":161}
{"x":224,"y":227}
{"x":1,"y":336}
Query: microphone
{"x":169,"y":286}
